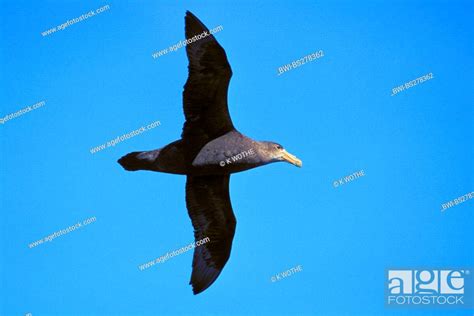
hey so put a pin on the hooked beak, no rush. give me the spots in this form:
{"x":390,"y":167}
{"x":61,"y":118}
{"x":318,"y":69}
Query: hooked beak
{"x":292,"y":159}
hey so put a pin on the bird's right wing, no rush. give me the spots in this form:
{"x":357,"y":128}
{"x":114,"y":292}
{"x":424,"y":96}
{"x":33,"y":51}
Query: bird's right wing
{"x":205,"y":92}
{"x":210,"y":210}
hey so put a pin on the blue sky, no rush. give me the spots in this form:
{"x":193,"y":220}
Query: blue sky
{"x":99,"y":81}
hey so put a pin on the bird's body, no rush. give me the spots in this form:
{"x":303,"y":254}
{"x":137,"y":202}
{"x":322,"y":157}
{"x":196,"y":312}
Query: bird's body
{"x":210,"y":149}
{"x":229,"y":153}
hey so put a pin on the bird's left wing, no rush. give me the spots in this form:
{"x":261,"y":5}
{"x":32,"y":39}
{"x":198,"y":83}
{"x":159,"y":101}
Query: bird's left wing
{"x":210,"y":210}
{"x":205,"y":92}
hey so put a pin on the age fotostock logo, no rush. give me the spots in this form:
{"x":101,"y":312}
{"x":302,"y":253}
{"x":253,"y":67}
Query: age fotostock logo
{"x":450,"y":288}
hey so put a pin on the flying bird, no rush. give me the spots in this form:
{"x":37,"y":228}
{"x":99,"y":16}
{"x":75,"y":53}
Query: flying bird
{"x":209,"y":151}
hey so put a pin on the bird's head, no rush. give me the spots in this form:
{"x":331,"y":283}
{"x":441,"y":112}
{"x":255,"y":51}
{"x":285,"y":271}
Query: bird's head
{"x":275,"y":152}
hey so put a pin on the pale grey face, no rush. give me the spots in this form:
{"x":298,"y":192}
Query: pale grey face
{"x":275,"y":152}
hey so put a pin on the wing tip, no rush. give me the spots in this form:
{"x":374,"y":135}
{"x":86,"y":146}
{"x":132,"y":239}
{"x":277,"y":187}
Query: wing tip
{"x":197,"y":290}
{"x":200,"y":287}
{"x":194,"y":26}
{"x":190,"y":15}
{"x":202,"y":279}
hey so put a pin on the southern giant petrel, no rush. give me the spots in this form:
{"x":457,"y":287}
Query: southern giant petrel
{"x":210,"y":149}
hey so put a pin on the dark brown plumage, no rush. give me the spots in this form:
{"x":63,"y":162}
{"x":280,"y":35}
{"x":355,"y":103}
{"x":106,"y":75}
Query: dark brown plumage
{"x":208,"y":139}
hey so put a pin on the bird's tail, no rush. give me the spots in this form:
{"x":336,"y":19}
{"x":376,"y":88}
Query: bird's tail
{"x":139,"y":160}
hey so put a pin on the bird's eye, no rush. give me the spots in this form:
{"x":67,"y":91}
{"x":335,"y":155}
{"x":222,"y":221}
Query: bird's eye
{"x":279,"y":147}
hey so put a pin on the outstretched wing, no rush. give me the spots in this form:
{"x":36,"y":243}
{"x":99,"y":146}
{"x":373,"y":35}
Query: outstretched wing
{"x":210,"y":210}
{"x":205,"y":92}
